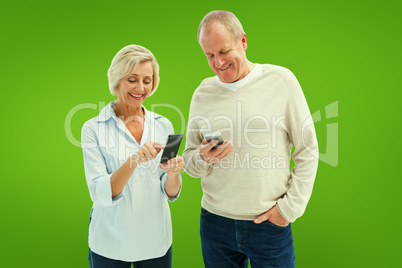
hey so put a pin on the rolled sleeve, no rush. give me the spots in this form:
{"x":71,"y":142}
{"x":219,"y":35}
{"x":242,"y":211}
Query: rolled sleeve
{"x":100,"y":191}
{"x":96,"y":173}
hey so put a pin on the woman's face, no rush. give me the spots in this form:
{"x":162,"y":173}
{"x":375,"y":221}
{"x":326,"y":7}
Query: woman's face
{"x":135,"y":88}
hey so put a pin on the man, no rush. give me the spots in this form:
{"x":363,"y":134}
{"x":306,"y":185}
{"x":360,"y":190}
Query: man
{"x":250,"y":194}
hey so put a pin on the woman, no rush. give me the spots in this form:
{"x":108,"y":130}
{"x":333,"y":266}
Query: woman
{"x":130,"y":218}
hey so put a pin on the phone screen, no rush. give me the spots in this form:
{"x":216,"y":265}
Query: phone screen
{"x":214,"y":135}
{"x":172,"y":147}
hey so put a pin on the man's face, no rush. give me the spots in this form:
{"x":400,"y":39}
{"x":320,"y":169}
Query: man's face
{"x":226,"y":57}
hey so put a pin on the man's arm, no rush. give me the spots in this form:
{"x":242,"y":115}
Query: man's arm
{"x":302,"y":135}
{"x":199,"y":154}
{"x":195,"y":166}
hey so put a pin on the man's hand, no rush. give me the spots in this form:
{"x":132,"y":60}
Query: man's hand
{"x":273,"y":216}
{"x":214,"y":155}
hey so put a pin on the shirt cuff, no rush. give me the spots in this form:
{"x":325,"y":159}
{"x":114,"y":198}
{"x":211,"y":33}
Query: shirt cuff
{"x":199,"y":162}
{"x":285,"y":210}
{"x":163,"y":180}
{"x":102,"y":192}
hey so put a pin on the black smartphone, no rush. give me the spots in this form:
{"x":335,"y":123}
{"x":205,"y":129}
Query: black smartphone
{"x":171,"y":147}
{"x":212,"y":136}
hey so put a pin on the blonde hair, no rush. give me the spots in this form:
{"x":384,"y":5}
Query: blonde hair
{"x":228,"y":19}
{"x":128,"y":59}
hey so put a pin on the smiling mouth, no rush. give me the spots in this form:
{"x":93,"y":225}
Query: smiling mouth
{"x":224,"y":69}
{"x":136,"y":96}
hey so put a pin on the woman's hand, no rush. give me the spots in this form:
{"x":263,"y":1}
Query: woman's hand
{"x":147,"y":152}
{"x":120,"y":177}
{"x":173,"y":166}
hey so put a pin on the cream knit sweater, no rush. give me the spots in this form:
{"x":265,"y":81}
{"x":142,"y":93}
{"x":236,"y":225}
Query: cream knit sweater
{"x":263,"y":119}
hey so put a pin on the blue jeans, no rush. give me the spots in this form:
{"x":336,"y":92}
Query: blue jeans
{"x":228,"y":243}
{"x":98,"y":261}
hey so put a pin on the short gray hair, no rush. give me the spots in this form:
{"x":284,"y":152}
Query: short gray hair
{"x":228,"y":19}
{"x":128,"y":59}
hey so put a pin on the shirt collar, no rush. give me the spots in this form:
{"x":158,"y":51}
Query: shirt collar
{"x":255,"y":72}
{"x":108,"y":112}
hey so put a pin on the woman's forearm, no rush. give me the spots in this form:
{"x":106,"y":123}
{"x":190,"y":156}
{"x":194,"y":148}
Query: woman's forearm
{"x":121,"y":176}
{"x":172,"y":184}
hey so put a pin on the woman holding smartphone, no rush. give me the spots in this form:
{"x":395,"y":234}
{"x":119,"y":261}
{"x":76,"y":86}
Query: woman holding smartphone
{"x":130,"y":219}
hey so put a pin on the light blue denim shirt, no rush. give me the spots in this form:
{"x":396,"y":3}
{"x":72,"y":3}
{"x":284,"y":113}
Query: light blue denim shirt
{"x":136,"y":224}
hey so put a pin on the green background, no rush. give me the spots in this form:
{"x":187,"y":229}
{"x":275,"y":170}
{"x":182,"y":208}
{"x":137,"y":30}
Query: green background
{"x":55,"y":55}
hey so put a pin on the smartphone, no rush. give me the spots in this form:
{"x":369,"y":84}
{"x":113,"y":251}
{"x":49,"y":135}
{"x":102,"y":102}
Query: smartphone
{"x":172,"y":147}
{"x":214,"y":135}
